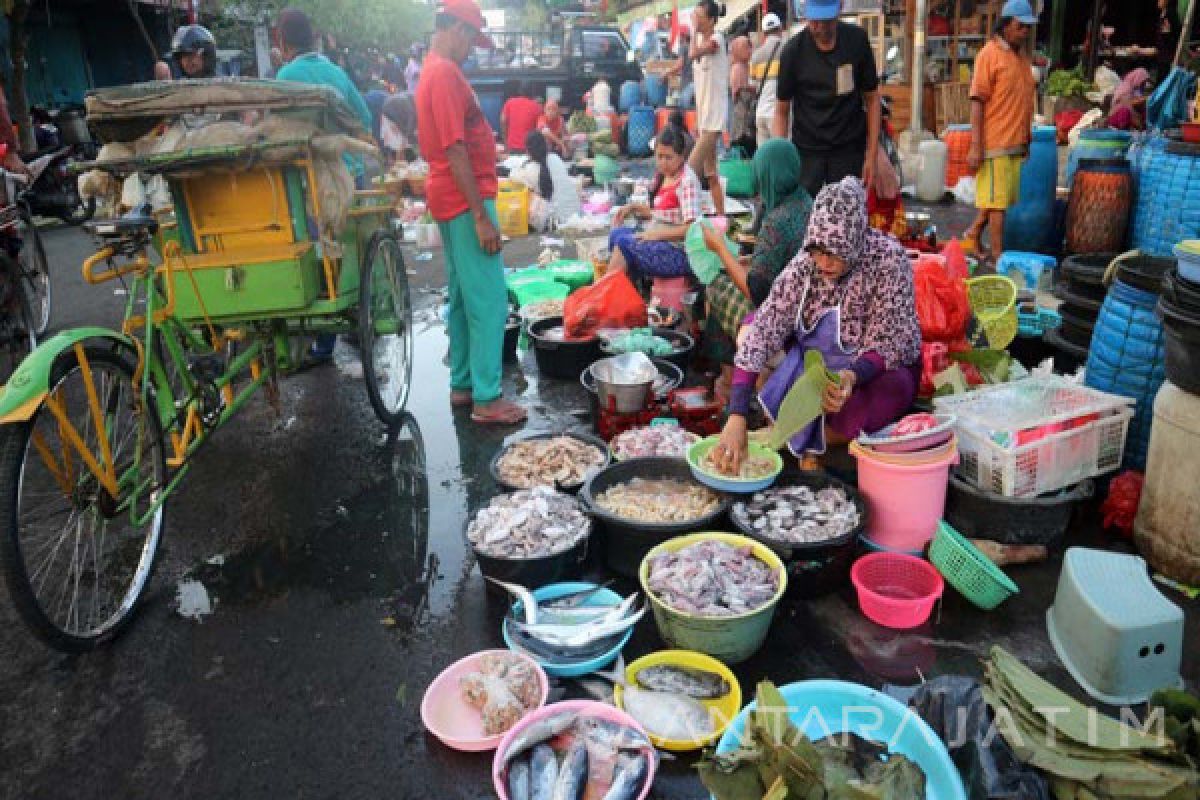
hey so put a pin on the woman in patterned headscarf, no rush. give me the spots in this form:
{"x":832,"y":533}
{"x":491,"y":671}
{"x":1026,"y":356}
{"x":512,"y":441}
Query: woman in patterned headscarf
{"x":848,"y":294}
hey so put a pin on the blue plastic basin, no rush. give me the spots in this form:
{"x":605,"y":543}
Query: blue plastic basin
{"x":602,"y":597}
{"x":823,"y":708}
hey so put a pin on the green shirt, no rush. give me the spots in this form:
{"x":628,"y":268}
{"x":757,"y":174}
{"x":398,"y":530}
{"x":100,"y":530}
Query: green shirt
{"x":315,"y":68}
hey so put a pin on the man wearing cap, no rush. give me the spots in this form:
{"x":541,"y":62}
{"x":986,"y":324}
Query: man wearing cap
{"x":829,"y":90}
{"x":1002,"y":99}
{"x":764,"y":71}
{"x":460,"y":147}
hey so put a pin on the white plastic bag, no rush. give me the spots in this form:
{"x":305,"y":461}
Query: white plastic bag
{"x":964,"y":190}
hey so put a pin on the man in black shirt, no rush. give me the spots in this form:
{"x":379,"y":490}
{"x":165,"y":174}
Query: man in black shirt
{"x":829,"y":89}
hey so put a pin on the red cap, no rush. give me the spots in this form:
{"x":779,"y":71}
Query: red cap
{"x":467,"y":11}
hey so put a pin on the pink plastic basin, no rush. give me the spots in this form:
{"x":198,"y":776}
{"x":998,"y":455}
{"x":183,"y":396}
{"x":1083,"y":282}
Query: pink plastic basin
{"x":905,"y":501}
{"x":450,"y":719}
{"x":587,"y":708}
{"x":895,"y":590}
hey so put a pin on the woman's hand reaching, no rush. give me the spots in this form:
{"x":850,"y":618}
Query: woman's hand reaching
{"x":731,"y":450}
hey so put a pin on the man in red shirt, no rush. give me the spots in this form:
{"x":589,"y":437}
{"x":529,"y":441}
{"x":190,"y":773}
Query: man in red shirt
{"x":460,"y":148}
{"x":518,"y":117}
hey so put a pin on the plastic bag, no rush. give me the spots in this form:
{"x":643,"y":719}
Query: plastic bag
{"x":953,"y":706}
{"x":942,"y":305}
{"x":956,"y":260}
{"x":1121,"y":505}
{"x":611,"y":302}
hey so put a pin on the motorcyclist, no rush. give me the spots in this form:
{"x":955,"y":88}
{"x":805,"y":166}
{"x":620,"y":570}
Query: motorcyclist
{"x":193,"y":55}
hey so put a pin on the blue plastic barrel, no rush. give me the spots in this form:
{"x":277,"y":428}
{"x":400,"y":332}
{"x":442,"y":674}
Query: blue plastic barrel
{"x":630,"y":96}
{"x":655,"y":90}
{"x":1097,"y":144}
{"x":1126,"y":357}
{"x":639,"y":130}
{"x":1167,"y":209}
{"x":490,"y":104}
{"x":1029,"y":225}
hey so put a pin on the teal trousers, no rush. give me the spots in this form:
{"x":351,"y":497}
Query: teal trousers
{"x":478,"y":308}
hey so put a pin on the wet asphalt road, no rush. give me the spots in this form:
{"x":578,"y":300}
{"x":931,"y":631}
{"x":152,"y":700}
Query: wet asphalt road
{"x":343,"y":587}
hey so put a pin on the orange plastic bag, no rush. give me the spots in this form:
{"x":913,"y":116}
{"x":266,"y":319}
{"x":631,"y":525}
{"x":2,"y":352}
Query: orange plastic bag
{"x":943,"y":309}
{"x":611,"y":302}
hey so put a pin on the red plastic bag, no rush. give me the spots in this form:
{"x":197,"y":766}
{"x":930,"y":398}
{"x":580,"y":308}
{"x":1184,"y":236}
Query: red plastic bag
{"x":943,"y":309}
{"x":1064,"y":121}
{"x":1121,"y":505}
{"x":956,"y":260}
{"x":611,"y":302}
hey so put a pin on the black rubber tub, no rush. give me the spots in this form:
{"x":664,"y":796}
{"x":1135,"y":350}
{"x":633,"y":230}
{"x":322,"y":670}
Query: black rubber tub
{"x":1181,"y":293}
{"x":533,"y":573}
{"x":978,"y":514}
{"x":813,"y":569}
{"x":626,"y":542}
{"x":1081,"y":304}
{"x":558,"y":358}
{"x":1075,"y":328}
{"x":1145,"y":272}
{"x":1084,"y":274}
{"x":570,"y":488}
{"x":1182,"y":345}
{"x":682,"y":344}
{"x":1068,"y":357}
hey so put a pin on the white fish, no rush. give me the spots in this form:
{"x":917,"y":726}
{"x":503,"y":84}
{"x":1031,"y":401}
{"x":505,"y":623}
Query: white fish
{"x":580,"y":635}
{"x":668,"y":715}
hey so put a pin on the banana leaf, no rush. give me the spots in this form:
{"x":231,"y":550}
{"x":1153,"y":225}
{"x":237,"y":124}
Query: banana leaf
{"x":804,"y":402}
{"x":1070,"y":717}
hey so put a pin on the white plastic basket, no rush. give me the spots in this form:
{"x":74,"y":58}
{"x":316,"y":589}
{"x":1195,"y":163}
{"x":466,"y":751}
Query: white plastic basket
{"x":1038,"y":435}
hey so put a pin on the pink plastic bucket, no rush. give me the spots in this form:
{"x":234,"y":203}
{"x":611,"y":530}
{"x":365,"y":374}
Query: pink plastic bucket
{"x":670,"y":292}
{"x":585,"y":708}
{"x":905,"y":502}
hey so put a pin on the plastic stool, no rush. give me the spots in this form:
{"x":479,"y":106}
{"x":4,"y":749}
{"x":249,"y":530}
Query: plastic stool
{"x":1113,"y":630}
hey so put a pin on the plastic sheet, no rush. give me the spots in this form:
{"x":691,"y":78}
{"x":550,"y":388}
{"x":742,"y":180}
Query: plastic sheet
{"x":953,"y":706}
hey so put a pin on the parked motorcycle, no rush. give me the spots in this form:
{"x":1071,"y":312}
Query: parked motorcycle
{"x":54,"y":191}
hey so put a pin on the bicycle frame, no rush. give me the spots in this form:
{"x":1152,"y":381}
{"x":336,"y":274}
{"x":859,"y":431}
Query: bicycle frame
{"x":180,"y":415}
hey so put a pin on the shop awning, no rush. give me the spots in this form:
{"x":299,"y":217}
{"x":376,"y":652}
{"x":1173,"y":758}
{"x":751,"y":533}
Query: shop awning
{"x":736,"y":10}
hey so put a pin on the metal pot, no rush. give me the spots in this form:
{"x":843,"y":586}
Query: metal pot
{"x":627,"y":379}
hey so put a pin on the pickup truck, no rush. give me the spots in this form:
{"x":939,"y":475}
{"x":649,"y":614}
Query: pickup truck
{"x":569,"y":58}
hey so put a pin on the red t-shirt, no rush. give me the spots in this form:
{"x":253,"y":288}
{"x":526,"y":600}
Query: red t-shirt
{"x":448,"y":112}
{"x":521,"y":115}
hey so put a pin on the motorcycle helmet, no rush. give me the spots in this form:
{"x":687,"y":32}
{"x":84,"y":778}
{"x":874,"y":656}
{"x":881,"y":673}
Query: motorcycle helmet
{"x":195,"y":39}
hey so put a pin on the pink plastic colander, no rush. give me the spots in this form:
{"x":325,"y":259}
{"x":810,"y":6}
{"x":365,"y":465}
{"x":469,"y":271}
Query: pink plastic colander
{"x":896,"y":590}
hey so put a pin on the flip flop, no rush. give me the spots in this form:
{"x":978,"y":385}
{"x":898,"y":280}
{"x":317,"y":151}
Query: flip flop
{"x":509,"y":414}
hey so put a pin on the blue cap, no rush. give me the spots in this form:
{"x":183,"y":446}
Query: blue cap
{"x":822,"y":9}
{"x":1020,"y":10}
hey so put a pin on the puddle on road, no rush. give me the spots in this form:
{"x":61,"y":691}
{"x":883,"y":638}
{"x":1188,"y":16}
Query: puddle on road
{"x":377,"y":545}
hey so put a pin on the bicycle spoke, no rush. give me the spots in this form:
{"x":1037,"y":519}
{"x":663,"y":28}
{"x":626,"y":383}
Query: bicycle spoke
{"x":86,"y":556}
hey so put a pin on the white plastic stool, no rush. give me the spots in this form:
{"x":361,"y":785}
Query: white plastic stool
{"x":1113,"y":630}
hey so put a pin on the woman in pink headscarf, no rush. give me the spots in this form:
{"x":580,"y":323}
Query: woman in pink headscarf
{"x":741,"y":123}
{"x":1128,"y":108}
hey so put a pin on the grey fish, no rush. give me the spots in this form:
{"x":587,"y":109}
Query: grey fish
{"x":543,"y":772}
{"x":683,"y":680}
{"x":572,"y":777}
{"x":529,"y":606}
{"x":631,"y":775}
{"x":573,"y":636}
{"x":540,"y":731}
{"x":611,"y":737}
{"x":518,"y":780}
